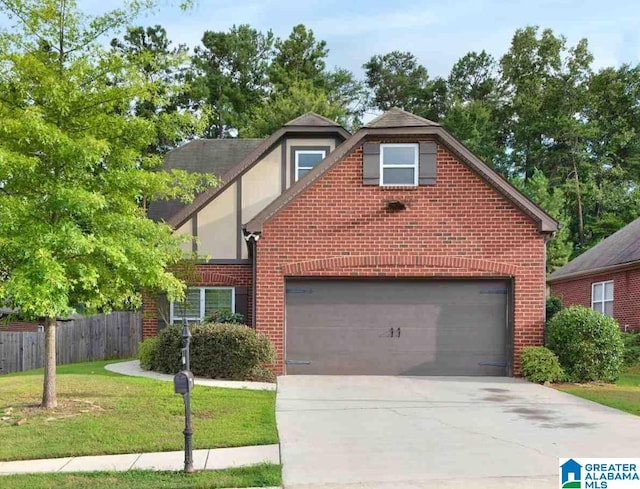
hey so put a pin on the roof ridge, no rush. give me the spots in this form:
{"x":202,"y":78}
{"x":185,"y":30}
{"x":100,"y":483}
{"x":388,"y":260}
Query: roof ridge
{"x":394,"y":118}
{"x":308,"y":115}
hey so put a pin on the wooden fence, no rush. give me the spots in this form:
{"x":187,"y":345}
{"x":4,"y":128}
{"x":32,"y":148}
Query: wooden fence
{"x":106,"y":336}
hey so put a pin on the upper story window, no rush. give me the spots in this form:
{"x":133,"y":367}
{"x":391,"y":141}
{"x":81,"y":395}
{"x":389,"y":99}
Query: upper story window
{"x":306,"y":160}
{"x":201,"y":302}
{"x":399,"y":164}
{"x":602,"y":297}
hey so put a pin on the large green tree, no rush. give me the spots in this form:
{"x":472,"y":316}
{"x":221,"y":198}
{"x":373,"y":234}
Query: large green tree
{"x":163,"y":68}
{"x":230,"y":76}
{"x":74,"y":170}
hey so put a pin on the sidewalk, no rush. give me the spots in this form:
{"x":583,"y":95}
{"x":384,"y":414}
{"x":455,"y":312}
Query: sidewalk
{"x":133,"y":369}
{"x":213,"y":459}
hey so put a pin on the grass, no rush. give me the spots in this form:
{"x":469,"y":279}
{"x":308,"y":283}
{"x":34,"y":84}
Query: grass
{"x":623,"y":395}
{"x":103,"y":413}
{"x":255,"y":476}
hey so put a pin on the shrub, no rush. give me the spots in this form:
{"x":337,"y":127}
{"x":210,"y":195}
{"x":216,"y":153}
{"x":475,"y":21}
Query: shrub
{"x":147,"y":353}
{"x":225,"y":316}
{"x":631,"y":348}
{"x":553,"y":306}
{"x":588,"y":344}
{"x":218,"y":350}
{"x":539,"y":364}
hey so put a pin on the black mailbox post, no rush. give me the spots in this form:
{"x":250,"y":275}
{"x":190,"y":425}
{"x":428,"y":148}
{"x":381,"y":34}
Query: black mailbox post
{"x":183,"y":384}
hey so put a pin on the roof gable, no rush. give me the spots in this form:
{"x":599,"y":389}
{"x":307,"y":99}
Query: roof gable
{"x":421,"y":127}
{"x":253,"y":157}
{"x":312,"y":119}
{"x":216,"y":156}
{"x":396,"y":117}
{"x":621,"y":248}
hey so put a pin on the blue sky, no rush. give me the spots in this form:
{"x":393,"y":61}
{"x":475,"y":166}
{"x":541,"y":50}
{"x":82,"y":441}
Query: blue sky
{"x":437,"y":32}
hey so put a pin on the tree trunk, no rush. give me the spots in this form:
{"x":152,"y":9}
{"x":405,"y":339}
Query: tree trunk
{"x":578,"y":202}
{"x":49,"y":396}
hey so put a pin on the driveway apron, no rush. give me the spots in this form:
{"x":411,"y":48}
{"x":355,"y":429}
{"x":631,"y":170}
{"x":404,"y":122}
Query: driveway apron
{"x":441,"y":432}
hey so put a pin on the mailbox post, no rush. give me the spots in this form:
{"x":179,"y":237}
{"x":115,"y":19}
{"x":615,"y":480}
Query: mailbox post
{"x":183,"y":384}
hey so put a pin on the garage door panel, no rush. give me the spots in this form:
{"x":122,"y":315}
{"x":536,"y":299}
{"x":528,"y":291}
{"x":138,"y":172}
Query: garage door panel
{"x":396,"y":327}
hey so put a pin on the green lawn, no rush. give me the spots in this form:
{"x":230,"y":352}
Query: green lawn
{"x":623,"y":395}
{"x":255,"y":476}
{"x":105,"y":413}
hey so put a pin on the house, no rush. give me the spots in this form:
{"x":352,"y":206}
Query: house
{"x":391,"y":251}
{"x":605,"y":277}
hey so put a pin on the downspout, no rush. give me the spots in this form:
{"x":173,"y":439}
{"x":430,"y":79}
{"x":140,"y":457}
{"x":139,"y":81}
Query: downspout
{"x":252,"y":243}
{"x":254,"y":248}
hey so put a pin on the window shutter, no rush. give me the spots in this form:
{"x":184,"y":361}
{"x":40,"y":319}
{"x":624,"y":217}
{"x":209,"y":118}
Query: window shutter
{"x":162,"y":304}
{"x":242,"y":302}
{"x":427,"y":174}
{"x":371,"y":164}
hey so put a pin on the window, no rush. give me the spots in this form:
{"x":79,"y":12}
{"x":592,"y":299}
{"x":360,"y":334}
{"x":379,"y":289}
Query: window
{"x":306,"y":160}
{"x":201,"y":302}
{"x":399,"y":164}
{"x":602,"y":297}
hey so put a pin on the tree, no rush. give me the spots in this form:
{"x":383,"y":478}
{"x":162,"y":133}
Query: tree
{"x":73,"y":171}
{"x":396,"y":79}
{"x":230,"y":76}
{"x":552,"y":200}
{"x":298,"y":59}
{"x":285,"y":106}
{"x":163,"y":68}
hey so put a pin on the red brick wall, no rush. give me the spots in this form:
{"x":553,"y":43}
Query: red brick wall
{"x":239,"y":275}
{"x":626,"y":294}
{"x":459,"y":227}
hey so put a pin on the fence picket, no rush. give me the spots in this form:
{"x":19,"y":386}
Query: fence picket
{"x":114,"y":335}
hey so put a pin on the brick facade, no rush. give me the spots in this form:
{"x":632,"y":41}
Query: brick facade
{"x":235,"y":275}
{"x":626,"y":294}
{"x":460,"y":227}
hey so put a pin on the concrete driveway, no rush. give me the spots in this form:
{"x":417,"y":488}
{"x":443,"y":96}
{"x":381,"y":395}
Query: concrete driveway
{"x":442,"y":432}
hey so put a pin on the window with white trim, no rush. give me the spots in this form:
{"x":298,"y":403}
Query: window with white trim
{"x":399,"y":165}
{"x":202,"y":302}
{"x":602,"y":297}
{"x":306,"y":160}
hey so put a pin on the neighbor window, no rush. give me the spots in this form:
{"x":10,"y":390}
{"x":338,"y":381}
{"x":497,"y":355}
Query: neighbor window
{"x":201,"y":302}
{"x":399,"y":164}
{"x":602,"y":297}
{"x":307,"y":159}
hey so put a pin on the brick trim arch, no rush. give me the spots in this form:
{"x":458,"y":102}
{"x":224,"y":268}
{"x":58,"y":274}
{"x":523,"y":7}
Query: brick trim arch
{"x":421,"y":261}
{"x":208,"y":277}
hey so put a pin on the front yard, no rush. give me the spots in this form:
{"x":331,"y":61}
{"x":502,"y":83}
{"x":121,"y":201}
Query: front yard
{"x":256,"y":476}
{"x":623,"y":395}
{"x":103,"y":413}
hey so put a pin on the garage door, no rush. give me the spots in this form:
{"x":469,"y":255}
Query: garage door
{"x":437,"y":327}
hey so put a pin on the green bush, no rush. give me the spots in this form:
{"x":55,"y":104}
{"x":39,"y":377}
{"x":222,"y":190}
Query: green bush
{"x":539,"y":364}
{"x":147,"y":353}
{"x":588,"y":344}
{"x":631,"y":348}
{"x":553,"y":307}
{"x":225,"y":316}
{"x":218,"y":350}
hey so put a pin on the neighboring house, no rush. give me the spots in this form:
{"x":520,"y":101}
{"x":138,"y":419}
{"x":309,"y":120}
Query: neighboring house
{"x":391,"y":251}
{"x":605,"y":277}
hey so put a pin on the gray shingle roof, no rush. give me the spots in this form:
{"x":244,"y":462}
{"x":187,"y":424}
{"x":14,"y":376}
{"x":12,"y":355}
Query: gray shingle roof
{"x":621,"y":247}
{"x":312,"y":119}
{"x":396,"y":117}
{"x":217,"y":156}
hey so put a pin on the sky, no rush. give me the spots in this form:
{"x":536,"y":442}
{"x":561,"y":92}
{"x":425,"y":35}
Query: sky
{"x":437,"y":32}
